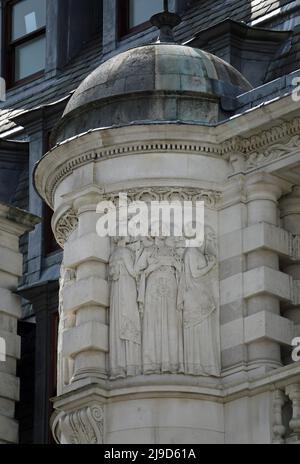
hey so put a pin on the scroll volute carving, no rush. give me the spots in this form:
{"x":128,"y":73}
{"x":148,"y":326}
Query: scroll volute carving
{"x":84,"y":426}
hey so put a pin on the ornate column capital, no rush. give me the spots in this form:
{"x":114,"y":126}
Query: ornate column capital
{"x":290,"y":204}
{"x":85,"y":199}
{"x":264,"y":186}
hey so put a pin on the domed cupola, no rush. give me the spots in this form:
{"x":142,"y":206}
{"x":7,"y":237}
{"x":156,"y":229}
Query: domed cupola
{"x":160,"y":82}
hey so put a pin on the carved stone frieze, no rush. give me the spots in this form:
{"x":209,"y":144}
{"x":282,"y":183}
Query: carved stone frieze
{"x":211,"y":198}
{"x":246,"y":153}
{"x":273,"y":152}
{"x":68,"y":221}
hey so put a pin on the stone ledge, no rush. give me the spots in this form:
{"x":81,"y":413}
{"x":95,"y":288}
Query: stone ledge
{"x":10,"y":303}
{"x":90,"y":336}
{"x":92,"y":291}
{"x":260,"y":326}
{"x":266,"y":236}
{"x":258,"y":236}
{"x":85,"y":248}
{"x":266,"y":325}
{"x":102,"y":391}
{"x":266,"y":280}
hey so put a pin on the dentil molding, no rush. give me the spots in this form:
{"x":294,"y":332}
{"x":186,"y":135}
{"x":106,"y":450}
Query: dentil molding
{"x":257,"y":150}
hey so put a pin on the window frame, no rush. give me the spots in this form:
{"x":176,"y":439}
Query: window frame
{"x":123,"y":20}
{"x":11,"y":45}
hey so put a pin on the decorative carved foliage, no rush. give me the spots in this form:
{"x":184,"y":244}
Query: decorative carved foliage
{"x":84,"y":426}
{"x":123,"y":150}
{"x":273,"y":153}
{"x":148,"y":194}
{"x":271,"y":136}
{"x":263,"y":147}
{"x":65,"y":227}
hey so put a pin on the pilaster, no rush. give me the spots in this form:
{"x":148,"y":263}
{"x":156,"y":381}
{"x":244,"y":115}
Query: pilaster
{"x":290,"y":215}
{"x":13,"y":224}
{"x":85,"y":299}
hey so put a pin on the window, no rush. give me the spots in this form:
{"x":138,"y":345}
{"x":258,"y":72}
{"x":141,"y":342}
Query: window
{"x":26,"y":40}
{"x":135,"y":14}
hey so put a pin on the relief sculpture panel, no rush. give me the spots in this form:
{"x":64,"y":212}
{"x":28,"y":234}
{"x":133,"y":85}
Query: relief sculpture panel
{"x":164,"y":314}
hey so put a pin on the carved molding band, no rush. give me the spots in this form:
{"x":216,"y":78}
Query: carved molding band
{"x":265,"y":146}
{"x":211,"y":198}
{"x":273,"y":153}
{"x":123,"y":150}
{"x":68,"y":222}
{"x":255,"y":151}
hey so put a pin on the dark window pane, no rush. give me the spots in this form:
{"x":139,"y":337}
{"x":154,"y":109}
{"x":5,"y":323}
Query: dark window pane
{"x":30,"y":58}
{"x":141,"y":11}
{"x":27,"y":17}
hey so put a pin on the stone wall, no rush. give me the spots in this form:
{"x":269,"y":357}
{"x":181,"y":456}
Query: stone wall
{"x":13,"y":224}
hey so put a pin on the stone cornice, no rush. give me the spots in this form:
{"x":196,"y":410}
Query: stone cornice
{"x":223,"y":392}
{"x":253,"y":152}
{"x":16,"y":221}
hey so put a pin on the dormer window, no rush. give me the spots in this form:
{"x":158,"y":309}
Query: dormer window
{"x":134,"y":15}
{"x":26,"y":40}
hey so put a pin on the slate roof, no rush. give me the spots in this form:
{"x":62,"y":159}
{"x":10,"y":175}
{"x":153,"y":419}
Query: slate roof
{"x":202,"y":14}
{"x":206,"y":13}
{"x":52,"y":89}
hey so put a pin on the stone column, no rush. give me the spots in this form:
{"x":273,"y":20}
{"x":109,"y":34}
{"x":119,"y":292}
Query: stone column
{"x":263,"y":281}
{"x":13,"y":224}
{"x":85,"y":298}
{"x":279,"y":429}
{"x":290,"y":214}
{"x":293,"y":392}
{"x":252,"y":287}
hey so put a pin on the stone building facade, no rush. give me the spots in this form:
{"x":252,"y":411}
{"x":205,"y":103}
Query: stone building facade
{"x":142,"y":340}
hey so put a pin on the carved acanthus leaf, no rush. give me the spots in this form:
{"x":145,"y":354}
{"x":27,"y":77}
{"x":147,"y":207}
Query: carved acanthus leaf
{"x":81,"y":427}
{"x":65,"y":226}
{"x":210,"y":197}
{"x":273,"y":153}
